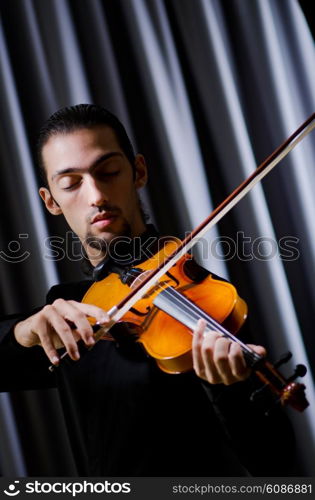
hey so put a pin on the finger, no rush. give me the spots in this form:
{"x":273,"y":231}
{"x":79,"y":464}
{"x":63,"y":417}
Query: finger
{"x":196,"y":348}
{"x":207,"y":351}
{"x":70,"y":311}
{"x":46,"y":341}
{"x":99,"y":314}
{"x":221,"y":360}
{"x":63,"y":331}
{"x":239,"y":368}
{"x":258,"y":349}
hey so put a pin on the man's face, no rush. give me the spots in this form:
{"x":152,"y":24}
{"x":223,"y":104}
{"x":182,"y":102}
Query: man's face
{"x":92,"y":184}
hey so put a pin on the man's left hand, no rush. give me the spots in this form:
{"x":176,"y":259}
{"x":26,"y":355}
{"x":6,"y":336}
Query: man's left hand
{"x":217,"y":359}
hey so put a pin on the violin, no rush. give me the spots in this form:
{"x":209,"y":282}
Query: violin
{"x":163,"y":319}
{"x":162,"y":298}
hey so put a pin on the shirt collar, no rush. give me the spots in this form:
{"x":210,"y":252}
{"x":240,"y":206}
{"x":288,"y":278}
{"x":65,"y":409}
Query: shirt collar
{"x":125,"y":253}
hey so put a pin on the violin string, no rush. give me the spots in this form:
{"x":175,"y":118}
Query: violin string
{"x":190,"y":308}
{"x":194,"y":312}
{"x":211,"y":321}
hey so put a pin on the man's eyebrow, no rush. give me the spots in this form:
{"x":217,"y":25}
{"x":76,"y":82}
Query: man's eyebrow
{"x":73,"y":170}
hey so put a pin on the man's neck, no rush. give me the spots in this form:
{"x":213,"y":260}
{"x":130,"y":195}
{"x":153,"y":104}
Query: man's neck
{"x":127,"y":251}
{"x":123,"y":248}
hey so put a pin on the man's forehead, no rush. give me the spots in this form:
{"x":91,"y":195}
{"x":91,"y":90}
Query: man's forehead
{"x":100,"y":134}
{"x":62,"y":147}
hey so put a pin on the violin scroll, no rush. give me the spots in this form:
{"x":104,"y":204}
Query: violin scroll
{"x":287,"y":391}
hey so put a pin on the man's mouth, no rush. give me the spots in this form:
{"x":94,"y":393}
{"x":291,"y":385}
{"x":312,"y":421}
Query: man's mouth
{"x":103,"y":219}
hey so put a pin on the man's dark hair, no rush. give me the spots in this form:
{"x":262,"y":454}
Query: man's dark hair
{"x":69,"y":119}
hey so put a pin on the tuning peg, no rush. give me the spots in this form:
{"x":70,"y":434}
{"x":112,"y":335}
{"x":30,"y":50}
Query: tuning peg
{"x":300,"y":371}
{"x":283,"y":359}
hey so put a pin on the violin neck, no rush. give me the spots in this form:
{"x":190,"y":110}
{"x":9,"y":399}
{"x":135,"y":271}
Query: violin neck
{"x":184,"y":310}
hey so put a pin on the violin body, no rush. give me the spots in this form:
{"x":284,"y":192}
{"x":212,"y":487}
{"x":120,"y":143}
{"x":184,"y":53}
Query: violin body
{"x":164,"y":338}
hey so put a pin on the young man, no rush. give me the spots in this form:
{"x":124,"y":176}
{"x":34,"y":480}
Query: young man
{"x":133,"y":419}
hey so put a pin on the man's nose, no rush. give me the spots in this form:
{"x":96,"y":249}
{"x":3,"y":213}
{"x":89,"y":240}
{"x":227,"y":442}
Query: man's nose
{"x":95,"y":192}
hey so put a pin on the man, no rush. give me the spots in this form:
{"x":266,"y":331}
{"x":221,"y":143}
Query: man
{"x":133,"y":419}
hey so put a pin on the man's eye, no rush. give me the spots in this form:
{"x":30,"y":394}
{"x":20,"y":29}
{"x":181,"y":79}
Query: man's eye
{"x":68,"y":183}
{"x":71,"y":187}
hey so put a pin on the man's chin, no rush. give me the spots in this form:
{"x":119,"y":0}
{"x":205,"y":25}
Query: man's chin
{"x":101,"y":238}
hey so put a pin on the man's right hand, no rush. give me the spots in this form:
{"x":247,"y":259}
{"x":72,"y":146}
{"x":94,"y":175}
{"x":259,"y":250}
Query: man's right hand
{"x":50,"y":327}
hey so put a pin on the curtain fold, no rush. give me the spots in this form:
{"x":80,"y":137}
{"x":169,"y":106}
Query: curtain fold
{"x":173,"y":121}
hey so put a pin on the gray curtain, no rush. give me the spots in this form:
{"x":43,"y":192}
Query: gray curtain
{"x":207,"y":89}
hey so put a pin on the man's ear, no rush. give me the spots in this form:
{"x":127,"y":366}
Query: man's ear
{"x":51,"y":205}
{"x":141,"y":172}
